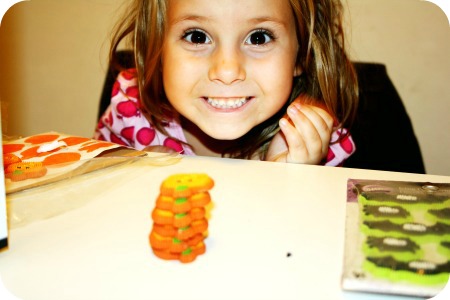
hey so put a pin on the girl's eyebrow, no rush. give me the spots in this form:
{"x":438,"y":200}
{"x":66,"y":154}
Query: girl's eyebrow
{"x":256,"y":20}
{"x":188,"y":18}
{"x":274,"y":21}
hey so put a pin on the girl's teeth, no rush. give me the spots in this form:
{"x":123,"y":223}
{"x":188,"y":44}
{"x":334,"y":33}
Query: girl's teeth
{"x":227,"y":103}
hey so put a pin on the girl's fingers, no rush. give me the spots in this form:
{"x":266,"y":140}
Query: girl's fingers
{"x":321,"y":119}
{"x":314,"y":123}
{"x":306,"y":133}
{"x":314,"y":140}
{"x":297,"y":150}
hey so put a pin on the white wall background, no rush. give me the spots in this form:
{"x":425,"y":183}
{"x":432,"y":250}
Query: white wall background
{"x":53,"y":63}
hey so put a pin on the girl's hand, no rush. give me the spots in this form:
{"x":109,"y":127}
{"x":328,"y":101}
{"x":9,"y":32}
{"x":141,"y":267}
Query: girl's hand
{"x":304,"y":137}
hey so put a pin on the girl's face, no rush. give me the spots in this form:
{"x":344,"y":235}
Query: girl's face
{"x":228,"y":65}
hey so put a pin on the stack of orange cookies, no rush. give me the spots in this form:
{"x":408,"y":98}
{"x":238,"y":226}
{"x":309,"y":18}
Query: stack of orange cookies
{"x":180,"y":225}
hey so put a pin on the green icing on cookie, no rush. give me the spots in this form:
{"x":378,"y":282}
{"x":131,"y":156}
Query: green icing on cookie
{"x":187,"y":251}
{"x":180,"y":200}
{"x":181,"y":188}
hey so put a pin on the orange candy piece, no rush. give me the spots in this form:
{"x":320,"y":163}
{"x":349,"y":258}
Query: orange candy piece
{"x":25,"y":170}
{"x":187,"y":256}
{"x":183,"y":204}
{"x":185,"y":185}
{"x":178,"y":220}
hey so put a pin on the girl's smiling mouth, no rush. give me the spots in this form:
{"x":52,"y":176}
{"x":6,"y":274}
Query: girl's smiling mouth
{"x":228,"y":102}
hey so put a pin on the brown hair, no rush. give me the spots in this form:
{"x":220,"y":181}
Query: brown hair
{"x":327,"y":76}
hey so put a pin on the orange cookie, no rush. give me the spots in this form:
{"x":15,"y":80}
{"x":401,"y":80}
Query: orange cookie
{"x":166,"y":217}
{"x":187,"y":256}
{"x":183,"y":233}
{"x":200,"y":199}
{"x":183,"y":204}
{"x":25,"y":170}
{"x":176,"y":205}
{"x":191,"y":253}
{"x":185,"y":185}
{"x":173,"y":244}
{"x":170,"y":244}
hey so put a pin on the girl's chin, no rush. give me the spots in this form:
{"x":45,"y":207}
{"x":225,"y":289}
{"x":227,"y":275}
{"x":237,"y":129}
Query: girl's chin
{"x":225,"y":137}
{"x":225,"y":134}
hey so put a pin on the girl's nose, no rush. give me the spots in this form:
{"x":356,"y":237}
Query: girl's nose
{"x":226,"y":67}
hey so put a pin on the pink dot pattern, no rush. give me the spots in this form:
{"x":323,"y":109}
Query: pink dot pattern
{"x":339,"y":150}
{"x":123,"y":122}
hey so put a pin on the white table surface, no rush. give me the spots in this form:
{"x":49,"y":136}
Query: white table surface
{"x":95,"y":244}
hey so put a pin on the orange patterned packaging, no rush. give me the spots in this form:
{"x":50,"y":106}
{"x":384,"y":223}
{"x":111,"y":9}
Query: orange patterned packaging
{"x":51,"y":157}
{"x":179,"y":217}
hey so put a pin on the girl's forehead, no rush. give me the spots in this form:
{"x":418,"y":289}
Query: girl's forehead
{"x":230,"y":10}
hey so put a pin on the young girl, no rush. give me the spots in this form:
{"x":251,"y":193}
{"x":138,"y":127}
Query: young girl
{"x":254,"y":79}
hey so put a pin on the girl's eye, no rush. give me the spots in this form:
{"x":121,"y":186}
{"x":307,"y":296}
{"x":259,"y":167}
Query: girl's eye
{"x":259,"y":37}
{"x":196,"y":36}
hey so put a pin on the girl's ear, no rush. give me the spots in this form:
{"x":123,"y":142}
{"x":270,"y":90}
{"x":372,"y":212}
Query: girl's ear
{"x":297,"y":71}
